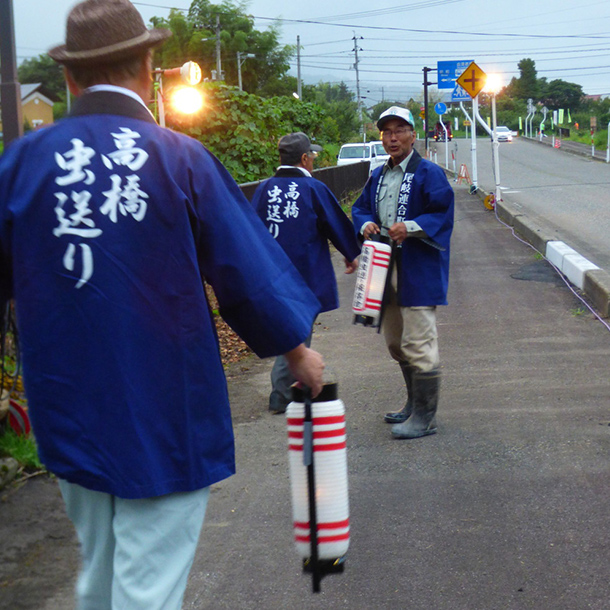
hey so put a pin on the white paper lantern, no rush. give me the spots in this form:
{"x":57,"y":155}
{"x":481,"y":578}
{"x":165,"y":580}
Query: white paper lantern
{"x":371,"y":279}
{"x":330,"y":464}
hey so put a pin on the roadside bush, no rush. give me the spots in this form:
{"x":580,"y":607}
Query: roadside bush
{"x":242,"y":130}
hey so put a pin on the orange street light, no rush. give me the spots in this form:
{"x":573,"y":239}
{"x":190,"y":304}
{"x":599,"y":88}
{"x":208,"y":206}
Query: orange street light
{"x":186,"y":99}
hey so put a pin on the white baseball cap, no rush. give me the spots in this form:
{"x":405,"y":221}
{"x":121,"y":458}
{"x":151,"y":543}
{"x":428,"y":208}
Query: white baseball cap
{"x":395,"y":112}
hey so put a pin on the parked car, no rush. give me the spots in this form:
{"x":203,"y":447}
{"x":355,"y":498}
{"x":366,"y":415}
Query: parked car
{"x":439,"y":132}
{"x":357,"y":152}
{"x":504,"y":134}
{"x":380,"y":156}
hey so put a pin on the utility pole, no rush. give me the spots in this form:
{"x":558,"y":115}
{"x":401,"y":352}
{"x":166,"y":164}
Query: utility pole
{"x":240,"y":62}
{"x":10,"y":89}
{"x":426,"y":83}
{"x":358,"y":83}
{"x":239,"y":71}
{"x":218,"y":63}
{"x":299,"y":92}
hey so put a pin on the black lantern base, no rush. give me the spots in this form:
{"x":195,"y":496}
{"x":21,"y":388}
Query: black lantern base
{"x":325,"y":566}
{"x":365,"y":320}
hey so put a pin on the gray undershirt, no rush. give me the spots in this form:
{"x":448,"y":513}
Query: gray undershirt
{"x":387,"y":199}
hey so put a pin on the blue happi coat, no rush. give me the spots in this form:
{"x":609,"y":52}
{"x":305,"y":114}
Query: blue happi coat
{"x":108,"y":223}
{"x":423,"y":277}
{"x":303,"y":215}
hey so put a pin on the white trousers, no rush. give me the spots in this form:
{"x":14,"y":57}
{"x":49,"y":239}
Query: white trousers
{"x":137,"y":554}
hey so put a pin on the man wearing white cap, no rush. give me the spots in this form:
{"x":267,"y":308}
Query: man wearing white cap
{"x":409,"y":202}
{"x":109,"y":228}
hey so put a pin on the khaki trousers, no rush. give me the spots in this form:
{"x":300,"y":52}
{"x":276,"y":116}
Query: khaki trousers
{"x":410,"y":333}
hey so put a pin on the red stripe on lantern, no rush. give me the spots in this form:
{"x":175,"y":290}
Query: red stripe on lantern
{"x":318,"y":433}
{"x":329,"y":525}
{"x":322,"y":539}
{"x":333,"y":447}
{"x":317,"y":421}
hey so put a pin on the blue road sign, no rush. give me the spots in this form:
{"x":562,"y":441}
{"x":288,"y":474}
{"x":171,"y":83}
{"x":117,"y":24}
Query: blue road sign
{"x":450,"y":71}
{"x":459,"y":94}
{"x":440,"y":108}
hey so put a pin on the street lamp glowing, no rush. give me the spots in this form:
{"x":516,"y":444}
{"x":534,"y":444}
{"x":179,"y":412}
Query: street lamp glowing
{"x":493,"y":83}
{"x":190,"y":73}
{"x":187,"y":100}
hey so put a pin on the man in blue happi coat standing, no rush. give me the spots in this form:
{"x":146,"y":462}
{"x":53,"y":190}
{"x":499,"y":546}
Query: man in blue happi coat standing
{"x":303,"y":215}
{"x":409,"y":201}
{"x":110,"y":227}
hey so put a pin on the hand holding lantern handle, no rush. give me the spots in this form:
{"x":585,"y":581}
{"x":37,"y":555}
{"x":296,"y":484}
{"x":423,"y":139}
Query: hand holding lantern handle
{"x":307,"y":366}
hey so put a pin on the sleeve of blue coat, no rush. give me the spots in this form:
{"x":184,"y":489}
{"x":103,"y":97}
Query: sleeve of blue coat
{"x":260,"y":294}
{"x":437,"y":217}
{"x":335,"y":224}
{"x":362,"y":210}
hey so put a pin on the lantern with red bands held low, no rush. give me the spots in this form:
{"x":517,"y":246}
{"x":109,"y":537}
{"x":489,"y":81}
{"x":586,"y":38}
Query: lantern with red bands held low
{"x":318,"y":474}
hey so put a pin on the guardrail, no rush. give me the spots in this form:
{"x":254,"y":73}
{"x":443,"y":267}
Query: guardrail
{"x":339,"y":179}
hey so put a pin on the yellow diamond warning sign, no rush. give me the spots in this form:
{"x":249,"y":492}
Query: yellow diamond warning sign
{"x":472,"y":80}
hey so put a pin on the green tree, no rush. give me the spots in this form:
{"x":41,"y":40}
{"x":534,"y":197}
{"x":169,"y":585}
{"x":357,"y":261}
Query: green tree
{"x":526,"y":85}
{"x":376,"y":110}
{"x":195,"y":39}
{"x":339,"y":103}
{"x":561,"y":94}
{"x":242,"y":129}
{"x":43,"y":69}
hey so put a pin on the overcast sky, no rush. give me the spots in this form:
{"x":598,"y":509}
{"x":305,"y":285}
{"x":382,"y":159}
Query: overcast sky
{"x":566,"y":39}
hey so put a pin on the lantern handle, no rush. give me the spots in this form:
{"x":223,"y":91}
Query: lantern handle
{"x":311,"y":488}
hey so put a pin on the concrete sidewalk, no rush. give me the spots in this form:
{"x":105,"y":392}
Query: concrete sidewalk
{"x":505,"y":508}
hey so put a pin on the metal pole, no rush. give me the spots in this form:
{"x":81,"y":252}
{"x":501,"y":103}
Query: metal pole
{"x":239,"y":71}
{"x":473,"y":148}
{"x":159,"y":95}
{"x":299,"y":92}
{"x":426,"y":83}
{"x":218,"y":62}
{"x":358,"y":86}
{"x":10,"y":90}
{"x":496,"y":146}
{"x":308,"y":461}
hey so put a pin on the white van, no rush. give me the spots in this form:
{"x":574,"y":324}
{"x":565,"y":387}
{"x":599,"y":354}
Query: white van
{"x":362,"y":151}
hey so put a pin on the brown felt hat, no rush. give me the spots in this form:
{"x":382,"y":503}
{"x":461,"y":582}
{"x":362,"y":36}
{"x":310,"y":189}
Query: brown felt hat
{"x":103,"y":32}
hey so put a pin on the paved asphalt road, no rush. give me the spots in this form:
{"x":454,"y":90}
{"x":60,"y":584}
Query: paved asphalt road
{"x":564,"y":192}
{"x":506,"y":508}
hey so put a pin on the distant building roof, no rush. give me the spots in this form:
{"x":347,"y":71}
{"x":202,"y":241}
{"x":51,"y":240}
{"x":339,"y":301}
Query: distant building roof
{"x":28,"y":89}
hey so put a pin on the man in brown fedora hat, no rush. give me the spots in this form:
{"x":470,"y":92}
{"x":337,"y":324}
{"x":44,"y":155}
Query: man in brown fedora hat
{"x":109,"y":228}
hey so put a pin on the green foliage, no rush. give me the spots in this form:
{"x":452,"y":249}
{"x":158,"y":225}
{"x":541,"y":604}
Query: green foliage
{"x":339,"y":103}
{"x":43,"y":69}
{"x":554,"y":95}
{"x":376,"y":111}
{"x":561,"y":94}
{"x":194,"y":39}
{"x":527,"y":83}
{"x":242,"y":130}
{"x":21,"y":448}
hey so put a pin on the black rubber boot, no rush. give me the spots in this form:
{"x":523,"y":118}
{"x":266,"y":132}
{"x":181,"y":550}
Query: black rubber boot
{"x":426,"y":388}
{"x":398,"y":417}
